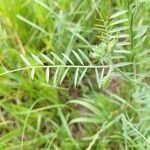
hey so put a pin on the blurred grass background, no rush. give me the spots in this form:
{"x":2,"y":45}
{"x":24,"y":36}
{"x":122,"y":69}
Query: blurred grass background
{"x":33,"y":114}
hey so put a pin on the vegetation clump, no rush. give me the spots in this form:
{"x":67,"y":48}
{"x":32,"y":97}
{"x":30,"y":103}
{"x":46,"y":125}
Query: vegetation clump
{"x":74,"y":75}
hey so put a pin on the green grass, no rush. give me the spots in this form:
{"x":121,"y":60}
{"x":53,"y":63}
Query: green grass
{"x":90,"y":90}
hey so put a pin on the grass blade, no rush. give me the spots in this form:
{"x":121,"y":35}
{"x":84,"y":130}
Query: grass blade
{"x":85,"y":120}
{"x":87,"y":105}
{"x":32,"y":24}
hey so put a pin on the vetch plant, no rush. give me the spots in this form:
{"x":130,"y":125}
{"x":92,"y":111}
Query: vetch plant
{"x":113,"y":36}
{"x":74,"y":74}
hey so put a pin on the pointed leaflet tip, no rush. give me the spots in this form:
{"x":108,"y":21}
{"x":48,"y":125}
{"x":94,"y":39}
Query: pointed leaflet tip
{"x":37,"y":59}
{"x":25,"y":60}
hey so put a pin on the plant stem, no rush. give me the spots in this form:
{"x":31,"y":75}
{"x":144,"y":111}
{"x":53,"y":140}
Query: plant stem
{"x":56,"y":66}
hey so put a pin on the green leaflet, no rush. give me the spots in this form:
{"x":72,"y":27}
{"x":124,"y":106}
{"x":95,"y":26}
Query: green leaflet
{"x":119,"y":13}
{"x":25,"y":60}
